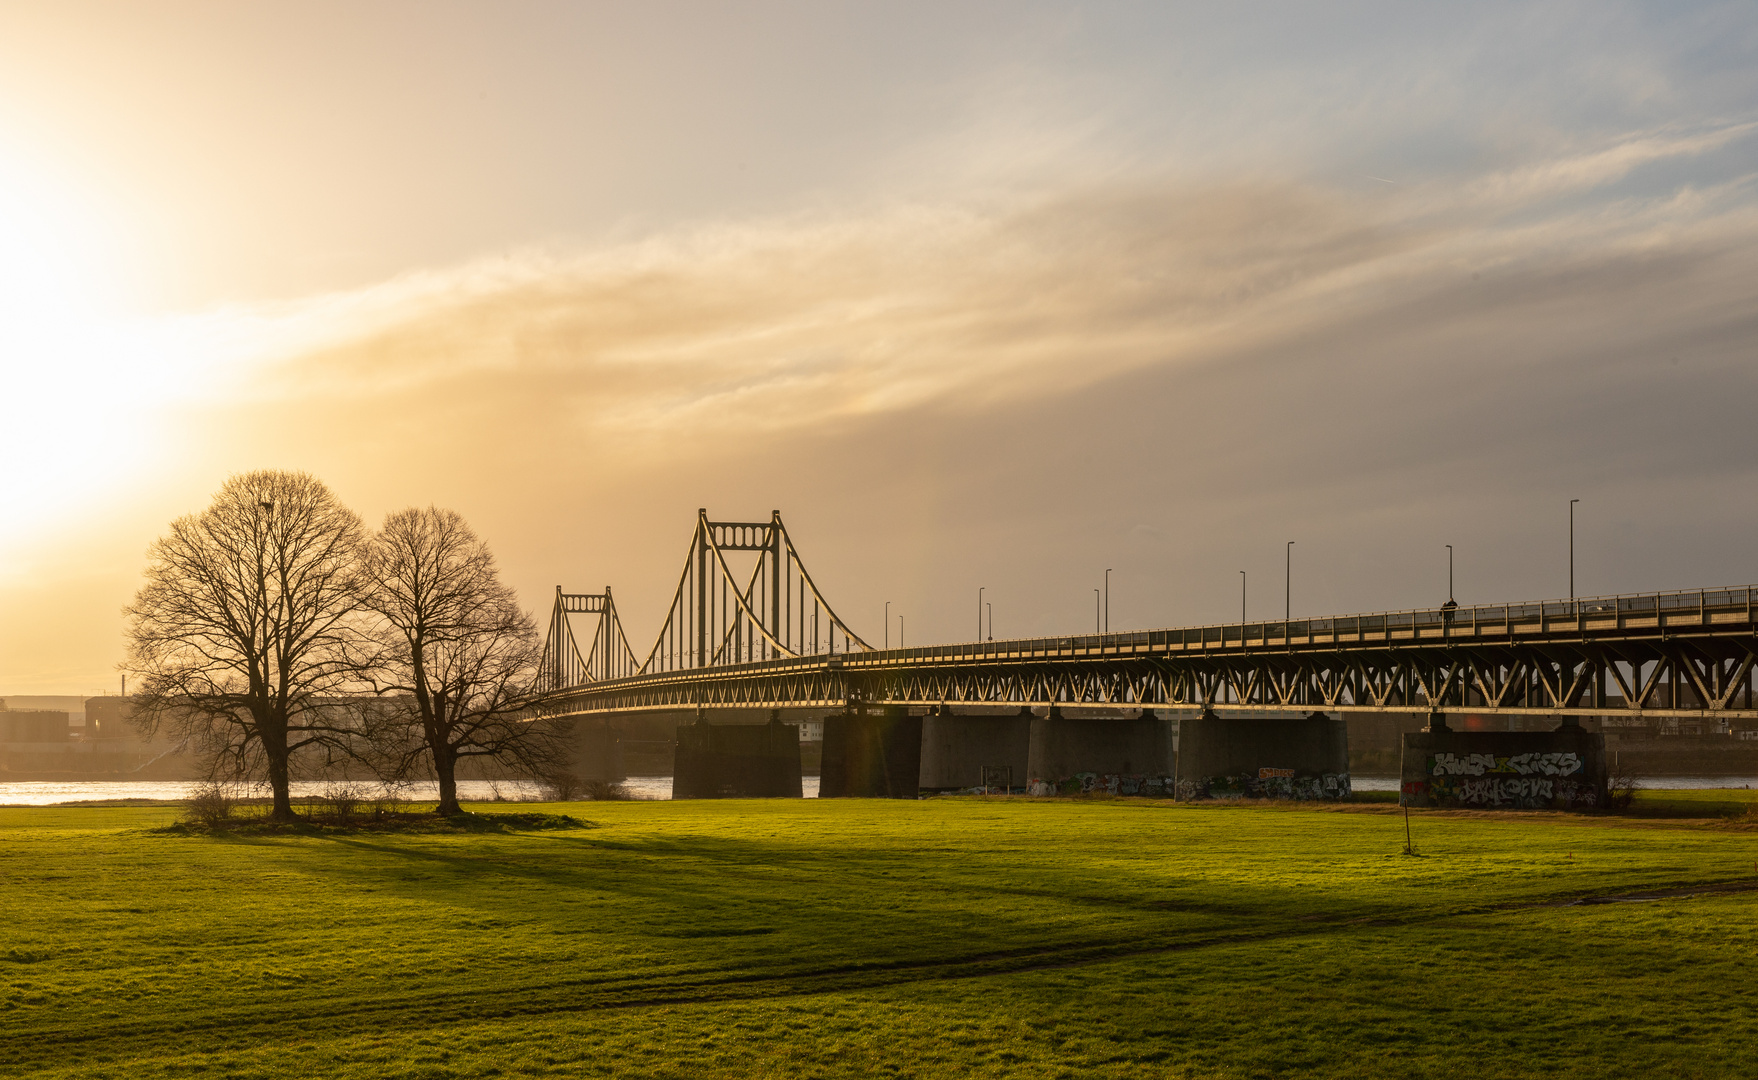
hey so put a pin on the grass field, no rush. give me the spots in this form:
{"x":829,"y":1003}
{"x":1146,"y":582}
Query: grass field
{"x":946,"y":937}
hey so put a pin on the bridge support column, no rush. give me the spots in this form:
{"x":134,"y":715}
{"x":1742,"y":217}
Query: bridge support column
{"x":1562,"y":769}
{"x":869,"y":756}
{"x":1263,"y":758}
{"x":1123,"y":756}
{"x":598,"y":751}
{"x":732,"y":761}
{"x":957,"y":751}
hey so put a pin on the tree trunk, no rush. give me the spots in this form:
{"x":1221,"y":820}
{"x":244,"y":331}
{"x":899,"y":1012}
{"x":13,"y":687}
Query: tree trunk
{"x":445,"y":767}
{"x":278,"y":780}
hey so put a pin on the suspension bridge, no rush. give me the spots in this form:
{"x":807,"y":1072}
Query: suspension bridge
{"x":749,"y":628}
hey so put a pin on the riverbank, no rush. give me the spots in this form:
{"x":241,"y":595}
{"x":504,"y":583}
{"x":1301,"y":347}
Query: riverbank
{"x":53,"y":793}
{"x":842,"y":938}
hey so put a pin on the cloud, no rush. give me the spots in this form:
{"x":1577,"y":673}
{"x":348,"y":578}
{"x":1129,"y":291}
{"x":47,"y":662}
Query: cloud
{"x":791,"y":323}
{"x":1143,"y":371}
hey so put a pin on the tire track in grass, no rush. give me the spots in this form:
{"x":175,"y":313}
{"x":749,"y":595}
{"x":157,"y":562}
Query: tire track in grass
{"x":341,"y":1016}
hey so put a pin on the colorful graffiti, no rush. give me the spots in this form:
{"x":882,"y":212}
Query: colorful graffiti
{"x":1087,"y":783}
{"x":1502,"y":792}
{"x":1564,"y":764}
{"x":1267,"y":784}
{"x":1519,"y":781}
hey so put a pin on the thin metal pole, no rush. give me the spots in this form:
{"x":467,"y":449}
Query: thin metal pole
{"x":1572,"y":503}
{"x":1107,"y":599}
{"x":888,"y":624}
{"x":900,"y":631}
{"x":1242,"y":606}
{"x":1449,"y":571}
{"x":1288,"y":587}
{"x":991,"y":608}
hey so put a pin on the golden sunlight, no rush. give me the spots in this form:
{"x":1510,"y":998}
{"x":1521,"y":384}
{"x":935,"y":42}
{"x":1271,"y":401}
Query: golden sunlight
{"x":66,"y":349}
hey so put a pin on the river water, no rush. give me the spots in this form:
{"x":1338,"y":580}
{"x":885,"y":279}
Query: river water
{"x":52,"y":792}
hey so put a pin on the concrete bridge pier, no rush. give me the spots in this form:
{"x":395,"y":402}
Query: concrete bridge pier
{"x":737,"y":761}
{"x":1263,"y":758}
{"x":871,"y":756}
{"x":1562,"y":769}
{"x":956,"y":750}
{"x":1122,"y":755}
{"x":597,"y":751}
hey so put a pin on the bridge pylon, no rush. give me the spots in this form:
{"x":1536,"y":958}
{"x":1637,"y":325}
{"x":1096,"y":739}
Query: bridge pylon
{"x":718,"y":616}
{"x":774,"y":611}
{"x":608,"y":656}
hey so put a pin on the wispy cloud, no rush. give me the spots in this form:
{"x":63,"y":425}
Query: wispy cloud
{"x":786,"y":323}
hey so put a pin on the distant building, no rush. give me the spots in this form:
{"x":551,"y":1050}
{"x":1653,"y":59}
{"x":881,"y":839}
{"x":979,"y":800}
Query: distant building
{"x":33,"y":726}
{"x":108,"y":718}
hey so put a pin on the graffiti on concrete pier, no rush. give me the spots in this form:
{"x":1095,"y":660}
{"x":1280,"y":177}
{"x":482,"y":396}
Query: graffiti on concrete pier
{"x":1564,"y":764}
{"x":1269,"y":783}
{"x":1086,"y":783}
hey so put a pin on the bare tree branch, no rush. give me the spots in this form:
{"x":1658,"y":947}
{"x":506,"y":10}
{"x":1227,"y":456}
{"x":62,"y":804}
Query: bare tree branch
{"x":456,"y":642}
{"x":248,"y":629}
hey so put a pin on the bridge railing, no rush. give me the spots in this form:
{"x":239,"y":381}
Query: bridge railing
{"x":1429,"y":625}
{"x":1464,"y":623}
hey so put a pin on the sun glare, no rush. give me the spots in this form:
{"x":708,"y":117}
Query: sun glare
{"x":64,"y":349}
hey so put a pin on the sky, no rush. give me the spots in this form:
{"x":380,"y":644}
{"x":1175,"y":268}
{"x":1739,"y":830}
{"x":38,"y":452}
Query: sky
{"x":978,"y":295}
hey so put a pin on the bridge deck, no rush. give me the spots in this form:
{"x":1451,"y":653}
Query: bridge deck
{"x":1675,"y":653}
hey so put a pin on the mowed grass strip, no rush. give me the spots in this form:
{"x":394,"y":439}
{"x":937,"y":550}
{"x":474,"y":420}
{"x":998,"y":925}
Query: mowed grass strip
{"x":134,"y":951}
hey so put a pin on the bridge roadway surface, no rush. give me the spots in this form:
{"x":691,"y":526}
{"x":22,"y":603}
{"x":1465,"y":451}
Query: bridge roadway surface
{"x":1684,"y":654}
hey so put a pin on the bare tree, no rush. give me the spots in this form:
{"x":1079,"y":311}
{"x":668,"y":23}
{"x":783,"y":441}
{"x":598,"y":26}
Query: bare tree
{"x":246,"y":624}
{"x":459,"y":647}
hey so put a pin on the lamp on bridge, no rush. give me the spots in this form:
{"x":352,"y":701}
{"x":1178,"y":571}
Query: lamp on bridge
{"x":1288,"y":586}
{"x":1572,"y":503}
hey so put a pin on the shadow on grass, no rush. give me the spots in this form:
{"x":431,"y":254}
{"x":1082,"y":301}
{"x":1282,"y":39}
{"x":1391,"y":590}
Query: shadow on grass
{"x":333,"y":825}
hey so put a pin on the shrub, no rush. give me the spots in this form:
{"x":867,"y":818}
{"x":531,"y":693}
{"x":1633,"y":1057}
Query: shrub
{"x":210,"y":805}
{"x":392,"y":796}
{"x":605,"y":791}
{"x":559,"y":787}
{"x":344,"y":798}
{"x":1621,"y":785}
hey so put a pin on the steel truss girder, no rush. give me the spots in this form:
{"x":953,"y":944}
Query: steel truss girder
{"x":1710,"y":675}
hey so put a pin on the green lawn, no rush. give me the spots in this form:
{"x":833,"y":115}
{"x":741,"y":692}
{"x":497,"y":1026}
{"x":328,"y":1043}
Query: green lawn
{"x":946,"y":937}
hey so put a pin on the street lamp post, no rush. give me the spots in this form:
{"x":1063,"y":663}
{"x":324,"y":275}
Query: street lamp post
{"x":1288,"y":587}
{"x":1107,"y":599}
{"x":899,"y":631}
{"x":888,"y":624}
{"x":1241,"y":605}
{"x":991,"y":608}
{"x":1572,"y":503}
{"x":1449,"y":571}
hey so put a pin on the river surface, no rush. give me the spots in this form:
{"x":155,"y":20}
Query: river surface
{"x":50,"y":793}
{"x":53,"y":792}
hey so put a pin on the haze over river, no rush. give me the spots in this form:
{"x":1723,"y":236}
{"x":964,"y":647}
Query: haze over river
{"x":51,"y":793}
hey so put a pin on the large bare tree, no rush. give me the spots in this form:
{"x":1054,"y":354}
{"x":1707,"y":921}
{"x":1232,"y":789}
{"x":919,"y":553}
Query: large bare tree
{"x":245,"y":632}
{"x":459,"y":650}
